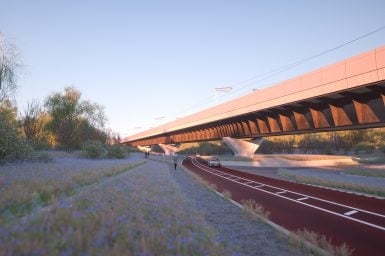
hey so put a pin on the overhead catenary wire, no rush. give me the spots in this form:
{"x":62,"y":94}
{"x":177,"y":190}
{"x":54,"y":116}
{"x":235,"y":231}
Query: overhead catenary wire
{"x":261,"y":77}
{"x":299,"y":62}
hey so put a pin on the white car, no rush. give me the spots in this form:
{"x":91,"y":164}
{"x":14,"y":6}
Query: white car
{"x":215,"y":162}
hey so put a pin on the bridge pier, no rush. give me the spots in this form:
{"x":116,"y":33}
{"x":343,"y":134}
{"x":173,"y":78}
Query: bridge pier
{"x":168,"y":149}
{"x":243,"y":148}
{"x":144,"y":148}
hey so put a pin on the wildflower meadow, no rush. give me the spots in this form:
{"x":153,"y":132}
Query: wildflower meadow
{"x":98,"y":207}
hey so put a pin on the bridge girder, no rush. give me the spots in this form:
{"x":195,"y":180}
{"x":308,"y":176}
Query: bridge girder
{"x":362,"y":107}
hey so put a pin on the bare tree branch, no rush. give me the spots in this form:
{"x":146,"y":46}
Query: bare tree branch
{"x":8,"y":69}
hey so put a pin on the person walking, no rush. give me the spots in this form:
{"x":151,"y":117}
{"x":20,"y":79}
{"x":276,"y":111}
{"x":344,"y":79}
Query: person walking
{"x":175,"y":162}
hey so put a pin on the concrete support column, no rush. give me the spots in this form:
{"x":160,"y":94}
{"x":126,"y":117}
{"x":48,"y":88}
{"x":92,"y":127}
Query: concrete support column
{"x":243,"y":148}
{"x":144,"y":148}
{"x":168,"y":149}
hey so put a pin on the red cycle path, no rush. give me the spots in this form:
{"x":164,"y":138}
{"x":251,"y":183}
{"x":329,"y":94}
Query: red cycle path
{"x":364,"y":239}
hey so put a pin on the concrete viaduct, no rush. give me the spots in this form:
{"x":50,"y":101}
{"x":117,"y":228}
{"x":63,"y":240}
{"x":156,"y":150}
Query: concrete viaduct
{"x":349,"y":94}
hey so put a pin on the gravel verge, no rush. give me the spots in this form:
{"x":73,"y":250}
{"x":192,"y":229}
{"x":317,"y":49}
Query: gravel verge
{"x":233,"y":227}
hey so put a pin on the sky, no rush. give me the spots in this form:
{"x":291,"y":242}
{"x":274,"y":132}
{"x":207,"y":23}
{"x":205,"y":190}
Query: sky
{"x":150,"y":62}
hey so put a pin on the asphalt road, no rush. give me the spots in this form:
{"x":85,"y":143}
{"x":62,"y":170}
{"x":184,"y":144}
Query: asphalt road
{"x":358,"y":221}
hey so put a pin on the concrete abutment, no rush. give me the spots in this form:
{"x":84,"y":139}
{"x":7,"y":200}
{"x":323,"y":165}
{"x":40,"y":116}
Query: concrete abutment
{"x":243,"y":148}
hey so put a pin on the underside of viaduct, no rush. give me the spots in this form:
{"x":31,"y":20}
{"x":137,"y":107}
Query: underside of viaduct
{"x":362,"y":107}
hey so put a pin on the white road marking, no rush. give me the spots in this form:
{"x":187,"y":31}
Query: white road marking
{"x":350,"y":212}
{"x":281,"y":192}
{"x":195,"y":162}
{"x":249,"y":182}
{"x":303,"y":198}
{"x":259,"y":186}
{"x":316,"y":198}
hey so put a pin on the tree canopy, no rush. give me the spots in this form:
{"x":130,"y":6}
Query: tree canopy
{"x":73,"y":120}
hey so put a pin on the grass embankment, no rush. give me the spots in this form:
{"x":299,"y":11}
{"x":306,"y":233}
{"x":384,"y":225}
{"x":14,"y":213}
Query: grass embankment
{"x":333,"y":184}
{"x":140,"y":214}
{"x":377,"y":173}
{"x":20,"y":196}
{"x":292,"y":157}
{"x":236,"y":158}
{"x":295,"y":157}
{"x":376,"y":159}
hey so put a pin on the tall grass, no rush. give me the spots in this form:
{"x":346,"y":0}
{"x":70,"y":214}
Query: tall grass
{"x":377,"y":173}
{"x":236,"y":158}
{"x":311,"y":157}
{"x":333,"y":184}
{"x":301,"y":237}
{"x":134,"y":215}
{"x":372,"y":160}
{"x":20,"y":196}
{"x":255,"y":211}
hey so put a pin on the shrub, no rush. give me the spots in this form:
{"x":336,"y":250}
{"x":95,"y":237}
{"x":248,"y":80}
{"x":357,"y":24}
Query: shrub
{"x":12,"y":146}
{"x":255,"y":211}
{"x":132,"y":149}
{"x":326,"y":148}
{"x":205,"y":148}
{"x":94,"y":149}
{"x":41,"y":144}
{"x":41,"y":156}
{"x":266,"y":147}
{"x":211,"y":186}
{"x":116,"y":151}
{"x":226,"y":194}
{"x":364,"y":147}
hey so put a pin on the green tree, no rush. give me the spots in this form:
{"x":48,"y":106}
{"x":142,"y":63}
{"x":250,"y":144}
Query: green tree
{"x":12,"y":146}
{"x":74,"y":121}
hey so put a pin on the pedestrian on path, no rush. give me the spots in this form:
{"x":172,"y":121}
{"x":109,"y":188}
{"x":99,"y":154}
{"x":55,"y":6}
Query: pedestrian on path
{"x":175,"y":162}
